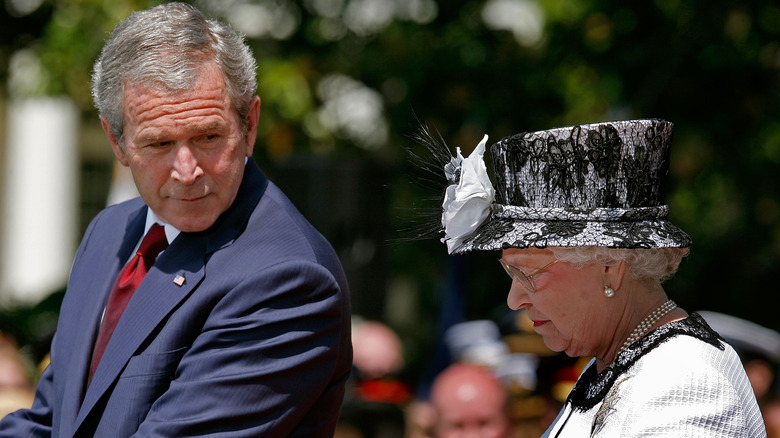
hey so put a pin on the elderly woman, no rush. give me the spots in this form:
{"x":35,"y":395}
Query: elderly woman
{"x":577,"y":214}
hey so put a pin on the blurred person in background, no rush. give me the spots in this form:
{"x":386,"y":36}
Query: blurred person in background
{"x":537,"y":378}
{"x":16,"y":385}
{"x":420,"y":419}
{"x":231,"y":315}
{"x":376,"y":396}
{"x":469,"y":401}
{"x":378,"y":358}
{"x":584,"y":235}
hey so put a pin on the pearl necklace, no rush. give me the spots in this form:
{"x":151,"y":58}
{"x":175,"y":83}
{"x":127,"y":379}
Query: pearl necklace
{"x":648,"y":322}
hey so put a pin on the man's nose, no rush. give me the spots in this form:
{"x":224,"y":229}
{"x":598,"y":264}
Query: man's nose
{"x":186,"y":168}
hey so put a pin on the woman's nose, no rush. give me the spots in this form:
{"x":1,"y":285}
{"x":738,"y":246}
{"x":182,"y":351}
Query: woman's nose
{"x":517,"y":297}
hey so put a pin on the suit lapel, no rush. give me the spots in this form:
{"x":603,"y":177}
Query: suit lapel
{"x":154,"y":299}
{"x":105,"y":267}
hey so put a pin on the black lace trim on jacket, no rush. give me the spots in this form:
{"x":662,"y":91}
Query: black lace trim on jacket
{"x":592,"y":387}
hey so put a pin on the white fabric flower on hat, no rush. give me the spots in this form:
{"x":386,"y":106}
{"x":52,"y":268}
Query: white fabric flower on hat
{"x":467,"y":204}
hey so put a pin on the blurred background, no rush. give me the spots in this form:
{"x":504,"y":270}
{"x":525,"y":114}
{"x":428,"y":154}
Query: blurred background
{"x":345,"y":83}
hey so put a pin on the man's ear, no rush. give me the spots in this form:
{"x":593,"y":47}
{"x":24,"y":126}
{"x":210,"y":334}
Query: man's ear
{"x":252,"y":119}
{"x":119,"y":152}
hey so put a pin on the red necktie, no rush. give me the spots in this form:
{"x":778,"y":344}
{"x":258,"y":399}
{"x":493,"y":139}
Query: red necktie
{"x":124,"y":287}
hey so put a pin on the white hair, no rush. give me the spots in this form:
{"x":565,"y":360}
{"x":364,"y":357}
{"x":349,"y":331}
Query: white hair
{"x":654,"y":263}
{"x":164,"y":47}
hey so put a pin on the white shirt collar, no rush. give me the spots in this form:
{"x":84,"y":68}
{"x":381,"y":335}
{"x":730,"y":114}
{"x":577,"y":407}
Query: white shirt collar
{"x":170,"y":231}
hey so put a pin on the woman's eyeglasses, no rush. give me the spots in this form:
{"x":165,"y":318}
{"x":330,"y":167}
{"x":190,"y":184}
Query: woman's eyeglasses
{"x":527,"y":280}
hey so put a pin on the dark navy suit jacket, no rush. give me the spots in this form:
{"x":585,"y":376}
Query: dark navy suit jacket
{"x":255,"y":342}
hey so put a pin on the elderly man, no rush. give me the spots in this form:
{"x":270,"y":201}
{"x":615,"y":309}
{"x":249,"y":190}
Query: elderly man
{"x":230,"y":316}
{"x":469,"y":401}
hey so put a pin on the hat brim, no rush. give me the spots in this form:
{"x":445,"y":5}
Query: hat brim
{"x":499,"y":233}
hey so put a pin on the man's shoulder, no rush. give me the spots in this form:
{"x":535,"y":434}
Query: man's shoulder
{"x":120,"y":210}
{"x":276,"y":212}
{"x":115,"y":218}
{"x":276,"y":225}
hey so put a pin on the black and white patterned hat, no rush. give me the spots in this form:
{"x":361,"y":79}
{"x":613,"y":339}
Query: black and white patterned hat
{"x":599,"y":184}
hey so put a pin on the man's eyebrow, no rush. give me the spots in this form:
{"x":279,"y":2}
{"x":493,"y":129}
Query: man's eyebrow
{"x":211,"y":126}
{"x":149,"y":138}
{"x":155,"y":137}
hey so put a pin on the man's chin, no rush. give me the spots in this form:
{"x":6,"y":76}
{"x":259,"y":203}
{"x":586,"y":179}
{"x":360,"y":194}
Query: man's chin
{"x":189,"y":221}
{"x":190,"y":226}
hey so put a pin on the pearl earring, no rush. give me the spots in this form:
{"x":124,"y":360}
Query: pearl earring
{"x":609,"y":292}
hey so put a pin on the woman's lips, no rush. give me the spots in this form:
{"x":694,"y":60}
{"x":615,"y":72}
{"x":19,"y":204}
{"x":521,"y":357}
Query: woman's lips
{"x":538,"y":323}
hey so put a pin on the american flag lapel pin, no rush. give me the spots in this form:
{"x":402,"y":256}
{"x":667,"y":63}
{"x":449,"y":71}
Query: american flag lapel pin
{"x":179,"y":280}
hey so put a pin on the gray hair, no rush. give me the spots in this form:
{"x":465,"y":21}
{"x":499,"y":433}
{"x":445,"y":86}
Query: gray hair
{"x":643,"y":264}
{"x":164,"y":47}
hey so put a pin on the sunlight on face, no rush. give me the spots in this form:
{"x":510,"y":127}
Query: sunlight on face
{"x":564,"y":308}
{"x":186,"y":150}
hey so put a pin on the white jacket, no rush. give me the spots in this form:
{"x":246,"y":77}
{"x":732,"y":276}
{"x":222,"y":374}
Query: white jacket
{"x":680,"y":380}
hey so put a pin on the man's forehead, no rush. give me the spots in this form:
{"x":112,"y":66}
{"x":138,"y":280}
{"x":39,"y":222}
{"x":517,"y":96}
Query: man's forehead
{"x":204,"y":98}
{"x":207,"y":73}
